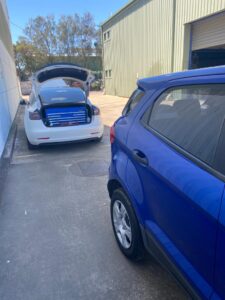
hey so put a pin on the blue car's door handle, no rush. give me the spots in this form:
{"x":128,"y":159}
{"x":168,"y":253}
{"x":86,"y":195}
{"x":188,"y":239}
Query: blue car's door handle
{"x":140,"y":157}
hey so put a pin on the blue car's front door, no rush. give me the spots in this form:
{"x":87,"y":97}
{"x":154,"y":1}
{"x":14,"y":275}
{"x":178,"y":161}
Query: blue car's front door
{"x":173,"y":154}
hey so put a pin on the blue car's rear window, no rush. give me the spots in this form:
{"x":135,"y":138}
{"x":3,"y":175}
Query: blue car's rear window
{"x":192,"y":117}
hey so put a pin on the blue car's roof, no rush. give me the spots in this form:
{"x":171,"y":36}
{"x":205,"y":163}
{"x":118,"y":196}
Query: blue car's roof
{"x":147,"y":83}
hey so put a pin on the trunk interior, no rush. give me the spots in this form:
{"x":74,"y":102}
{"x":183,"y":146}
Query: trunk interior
{"x":61,"y":115}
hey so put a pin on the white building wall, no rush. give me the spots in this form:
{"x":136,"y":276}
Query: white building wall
{"x":4,"y":6}
{"x":9,"y":90}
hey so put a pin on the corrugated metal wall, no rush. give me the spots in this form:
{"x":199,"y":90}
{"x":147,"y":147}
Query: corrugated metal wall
{"x":151,"y":37}
{"x":140,"y":44}
{"x":9,"y":91}
{"x":188,"y":11}
{"x":209,"y":32}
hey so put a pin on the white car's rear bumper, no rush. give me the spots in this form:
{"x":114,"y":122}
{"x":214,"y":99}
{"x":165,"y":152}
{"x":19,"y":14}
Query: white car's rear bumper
{"x":37,"y":133}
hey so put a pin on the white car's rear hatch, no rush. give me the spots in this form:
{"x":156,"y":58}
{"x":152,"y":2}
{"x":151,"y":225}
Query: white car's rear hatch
{"x":70,"y":74}
{"x":64,"y":107}
{"x":62,"y":91}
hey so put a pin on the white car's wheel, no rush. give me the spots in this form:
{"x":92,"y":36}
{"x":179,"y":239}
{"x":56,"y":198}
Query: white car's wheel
{"x":31,"y":146}
{"x":99,"y":139}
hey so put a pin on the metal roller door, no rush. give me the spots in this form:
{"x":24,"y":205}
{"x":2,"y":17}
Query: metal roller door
{"x":209,"y":32}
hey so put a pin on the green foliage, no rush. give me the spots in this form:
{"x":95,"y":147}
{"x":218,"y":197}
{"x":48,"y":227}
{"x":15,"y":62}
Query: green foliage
{"x":75,"y":39}
{"x":28,"y":58}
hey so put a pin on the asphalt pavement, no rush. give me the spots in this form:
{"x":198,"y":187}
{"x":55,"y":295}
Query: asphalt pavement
{"x":56,"y":239}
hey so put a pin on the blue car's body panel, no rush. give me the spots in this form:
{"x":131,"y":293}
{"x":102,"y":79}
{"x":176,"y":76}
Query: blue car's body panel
{"x":220,"y":256}
{"x":179,"y":203}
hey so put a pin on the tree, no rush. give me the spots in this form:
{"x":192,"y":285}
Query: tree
{"x":27,"y":58}
{"x":67,"y":35}
{"x":77,"y":36}
{"x":87,"y":35}
{"x":98,"y":42}
{"x":41,"y":33}
{"x":71,"y":38}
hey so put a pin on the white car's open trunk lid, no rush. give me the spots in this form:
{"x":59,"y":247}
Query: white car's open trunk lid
{"x":63,"y":76}
{"x":63,"y":71}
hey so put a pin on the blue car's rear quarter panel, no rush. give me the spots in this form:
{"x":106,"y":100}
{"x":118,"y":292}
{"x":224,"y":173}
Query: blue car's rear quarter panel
{"x":118,"y":151}
{"x":120,"y":168}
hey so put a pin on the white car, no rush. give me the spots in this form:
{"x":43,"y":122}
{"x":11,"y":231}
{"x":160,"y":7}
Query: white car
{"x":59,"y":110}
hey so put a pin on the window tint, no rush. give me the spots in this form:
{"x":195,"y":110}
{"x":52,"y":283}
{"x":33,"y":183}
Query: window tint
{"x":133,"y":101}
{"x":192,"y":118}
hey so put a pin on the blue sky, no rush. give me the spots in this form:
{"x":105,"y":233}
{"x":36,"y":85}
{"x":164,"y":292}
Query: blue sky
{"x":20,"y":11}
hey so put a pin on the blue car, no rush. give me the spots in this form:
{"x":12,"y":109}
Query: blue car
{"x":167,"y":176}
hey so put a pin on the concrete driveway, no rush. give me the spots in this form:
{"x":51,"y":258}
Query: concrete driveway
{"x":56,"y":240}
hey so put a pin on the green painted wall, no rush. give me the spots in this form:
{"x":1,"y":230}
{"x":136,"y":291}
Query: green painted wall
{"x":150,"y":37}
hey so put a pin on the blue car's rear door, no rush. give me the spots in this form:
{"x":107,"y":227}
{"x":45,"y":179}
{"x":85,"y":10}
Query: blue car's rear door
{"x":219,"y":280}
{"x":172,"y":153}
{"x":220,"y":257}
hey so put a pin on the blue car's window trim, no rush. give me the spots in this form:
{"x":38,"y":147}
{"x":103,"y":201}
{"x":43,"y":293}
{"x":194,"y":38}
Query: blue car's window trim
{"x":126,"y":111}
{"x":145,"y":122}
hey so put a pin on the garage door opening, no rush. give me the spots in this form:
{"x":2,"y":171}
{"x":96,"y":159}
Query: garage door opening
{"x":208,"y":42}
{"x":207,"y":58}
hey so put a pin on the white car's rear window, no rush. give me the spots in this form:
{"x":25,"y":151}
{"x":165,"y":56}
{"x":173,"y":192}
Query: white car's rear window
{"x":62,"y":95}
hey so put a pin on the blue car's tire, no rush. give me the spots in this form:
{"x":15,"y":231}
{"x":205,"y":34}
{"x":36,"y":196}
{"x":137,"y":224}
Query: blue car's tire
{"x":126,"y":227}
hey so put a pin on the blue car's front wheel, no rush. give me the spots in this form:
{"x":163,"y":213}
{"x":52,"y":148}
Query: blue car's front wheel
{"x":125,"y":226}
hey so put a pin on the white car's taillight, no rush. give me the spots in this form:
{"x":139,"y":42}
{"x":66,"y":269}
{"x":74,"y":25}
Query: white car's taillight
{"x":35,"y":115}
{"x":96,"y":110}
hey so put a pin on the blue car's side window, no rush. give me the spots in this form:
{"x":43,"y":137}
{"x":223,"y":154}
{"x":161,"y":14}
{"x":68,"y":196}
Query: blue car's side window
{"x":191,"y":117}
{"x":135,"y":98}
